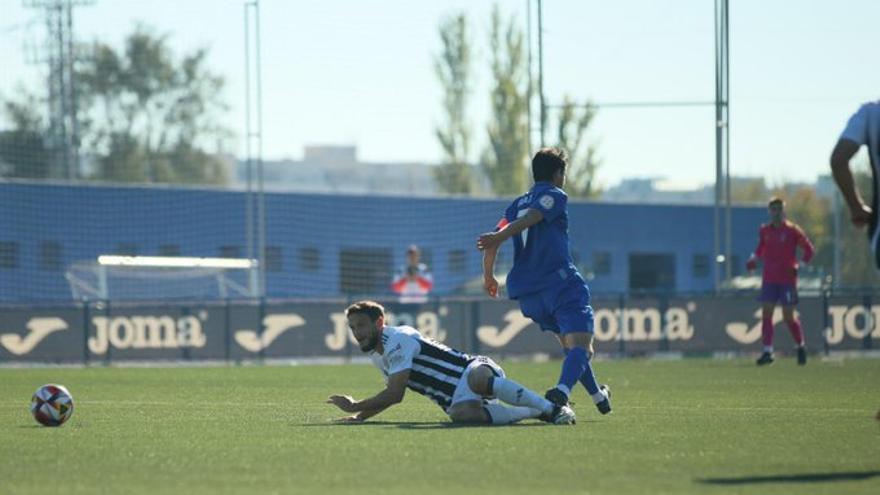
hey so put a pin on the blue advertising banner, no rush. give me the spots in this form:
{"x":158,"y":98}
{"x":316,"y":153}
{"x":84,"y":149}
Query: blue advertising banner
{"x":304,"y":329}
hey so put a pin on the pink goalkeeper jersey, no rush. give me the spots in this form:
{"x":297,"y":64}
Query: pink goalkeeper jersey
{"x":777,"y":248}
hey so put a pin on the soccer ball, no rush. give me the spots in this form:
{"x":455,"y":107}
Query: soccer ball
{"x":52,"y":405}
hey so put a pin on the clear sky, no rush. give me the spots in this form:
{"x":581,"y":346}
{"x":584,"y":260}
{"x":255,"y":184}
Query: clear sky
{"x":360,"y":72}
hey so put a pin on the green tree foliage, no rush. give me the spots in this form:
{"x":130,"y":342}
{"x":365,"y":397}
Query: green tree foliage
{"x":23,"y":152}
{"x":453,"y":68}
{"x":574,"y":120}
{"x":749,"y":190}
{"x":144,"y":116}
{"x":505,"y":161}
{"x":148,"y":116}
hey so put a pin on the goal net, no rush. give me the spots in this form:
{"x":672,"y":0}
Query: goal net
{"x":160,"y":278}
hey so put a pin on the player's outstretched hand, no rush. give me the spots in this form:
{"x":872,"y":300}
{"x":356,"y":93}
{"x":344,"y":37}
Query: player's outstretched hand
{"x":344,"y":402}
{"x":490,"y":285}
{"x":861,"y":216}
{"x":751,"y":264}
{"x":487,"y":241}
{"x":353,"y":419}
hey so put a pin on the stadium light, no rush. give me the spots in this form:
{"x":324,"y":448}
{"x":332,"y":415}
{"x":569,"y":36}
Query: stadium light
{"x":175,"y":261}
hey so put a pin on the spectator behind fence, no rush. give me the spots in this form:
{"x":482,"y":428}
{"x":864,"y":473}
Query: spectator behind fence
{"x":413,"y":282}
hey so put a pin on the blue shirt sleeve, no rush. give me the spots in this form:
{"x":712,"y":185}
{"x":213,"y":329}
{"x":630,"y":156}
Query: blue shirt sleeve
{"x":551,"y":204}
{"x":506,"y":217}
{"x":857,"y":126}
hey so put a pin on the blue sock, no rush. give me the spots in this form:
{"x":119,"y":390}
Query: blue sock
{"x":587,"y":379}
{"x":573,"y":367}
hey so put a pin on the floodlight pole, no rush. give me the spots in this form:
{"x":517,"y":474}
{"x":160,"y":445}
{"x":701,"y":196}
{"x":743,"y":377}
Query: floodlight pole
{"x":726,"y":61}
{"x":63,"y":133}
{"x":722,"y":141}
{"x":541,"y":101}
{"x":248,"y":166}
{"x":529,"y":90}
{"x":254,"y":149}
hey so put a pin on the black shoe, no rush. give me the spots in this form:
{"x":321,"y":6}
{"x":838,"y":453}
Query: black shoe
{"x":802,"y":355}
{"x":766,"y":358}
{"x":604,"y":407}
{"x":556,"y":396}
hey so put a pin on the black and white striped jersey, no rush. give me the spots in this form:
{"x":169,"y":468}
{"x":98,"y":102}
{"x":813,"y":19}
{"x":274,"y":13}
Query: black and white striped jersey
{"x":436,"y":368}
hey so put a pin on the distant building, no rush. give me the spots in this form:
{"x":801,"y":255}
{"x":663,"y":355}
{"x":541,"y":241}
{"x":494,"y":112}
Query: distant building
{"x":337,"y":169}
{"x":652,"y":190}
{"x":658,"y":190}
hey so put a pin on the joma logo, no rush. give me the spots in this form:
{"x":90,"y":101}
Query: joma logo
{"x":38,"y":328}
{"x":629,"y":324}
{"x":274,"y":326}
{"x":146,"y":332}
{"x":742,"y":333}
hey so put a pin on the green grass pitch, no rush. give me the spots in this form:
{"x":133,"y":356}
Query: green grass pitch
{"x":690,"y":426}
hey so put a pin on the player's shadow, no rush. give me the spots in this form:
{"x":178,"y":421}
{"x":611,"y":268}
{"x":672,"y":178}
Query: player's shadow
{"x":793,"y":478}
{"x":364,"y":424}
{"x":448,"y":425}
{"x":414,"y":425}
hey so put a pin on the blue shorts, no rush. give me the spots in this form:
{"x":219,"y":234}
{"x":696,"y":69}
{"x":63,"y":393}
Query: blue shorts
{"x":784,"y":294}
{"x":562,"y":309}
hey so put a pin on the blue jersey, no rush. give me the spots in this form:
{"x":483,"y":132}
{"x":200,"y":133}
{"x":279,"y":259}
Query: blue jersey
{"x":541,"y":253}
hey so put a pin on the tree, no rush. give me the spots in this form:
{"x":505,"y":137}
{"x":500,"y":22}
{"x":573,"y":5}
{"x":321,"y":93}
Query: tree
{"x":505,"y":161}
{"x":23,"y":152}
{"x":453,"y":68}
{"x":583,"y":163}
{"x":148,"y":117}
{"x":748,"y":190}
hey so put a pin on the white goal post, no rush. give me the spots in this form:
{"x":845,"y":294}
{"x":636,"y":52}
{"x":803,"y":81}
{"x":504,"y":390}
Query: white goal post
{"x":112,"y":277}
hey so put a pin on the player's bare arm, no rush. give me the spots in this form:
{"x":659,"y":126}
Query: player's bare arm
{"x":806,"y":246}
{"x":490,"y":284}
{"x":359,"y":417}
{"x":494,"y":239}
{"x":752,"y":262}
{"x":392,"y":394}
{"x":845,"y":149}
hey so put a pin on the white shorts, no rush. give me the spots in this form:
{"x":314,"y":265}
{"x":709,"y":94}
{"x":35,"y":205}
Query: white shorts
{"x":463,"y":392}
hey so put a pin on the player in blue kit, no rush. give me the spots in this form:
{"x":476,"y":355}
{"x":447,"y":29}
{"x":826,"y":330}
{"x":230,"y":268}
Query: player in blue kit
{"x":544,"y":279}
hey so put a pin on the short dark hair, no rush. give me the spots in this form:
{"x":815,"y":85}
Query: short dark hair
{"x":776,"y":200}
{"x":372,"y":309}
{"x":547,"y":162}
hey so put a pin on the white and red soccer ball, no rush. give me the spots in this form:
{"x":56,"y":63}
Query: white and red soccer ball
{"x":52,"y":405}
